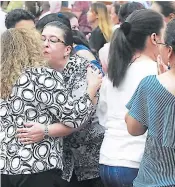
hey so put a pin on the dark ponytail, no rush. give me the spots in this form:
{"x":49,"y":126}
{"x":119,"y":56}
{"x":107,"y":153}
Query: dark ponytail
{"x":79,"y":38}
{"x":129,"y":38}
{"x":120,"y":55}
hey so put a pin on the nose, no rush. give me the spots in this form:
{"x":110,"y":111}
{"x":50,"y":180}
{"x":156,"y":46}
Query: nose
{"x":46,"y":43}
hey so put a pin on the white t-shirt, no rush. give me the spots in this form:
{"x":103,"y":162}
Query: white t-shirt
{"x":2,"y":21}
{"x":119,"y":148}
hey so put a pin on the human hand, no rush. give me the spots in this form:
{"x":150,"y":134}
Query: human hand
{"x":34,"y":132}
{"x":94,"y":79}
{"x":162,"y":68}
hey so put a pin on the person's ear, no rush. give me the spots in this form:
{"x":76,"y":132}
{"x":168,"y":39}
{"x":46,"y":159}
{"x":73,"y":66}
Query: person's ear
{"x":67,"y":51}
{"x":153,"y":38}
{"x":170,"y":52}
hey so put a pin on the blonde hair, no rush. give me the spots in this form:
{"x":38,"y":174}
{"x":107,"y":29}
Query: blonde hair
{"x":104,"y":22}
{"x":20,"y":49}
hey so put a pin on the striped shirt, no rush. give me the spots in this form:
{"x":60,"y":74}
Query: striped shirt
{"x":153,"y":106}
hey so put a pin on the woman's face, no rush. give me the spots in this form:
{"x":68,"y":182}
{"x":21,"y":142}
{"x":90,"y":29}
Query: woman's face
{"x":91,"y":16}
{"x":164,"y":49}
{"x":54,"y":48}
{"x":114,"y":17}
{"x":74,"y":23}
{"x":154,"y":43}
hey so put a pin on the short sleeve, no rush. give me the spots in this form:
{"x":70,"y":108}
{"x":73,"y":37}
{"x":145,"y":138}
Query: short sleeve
{"x":45,"y":88}
{"x":137,"y":106}
{"x":102,"y":104}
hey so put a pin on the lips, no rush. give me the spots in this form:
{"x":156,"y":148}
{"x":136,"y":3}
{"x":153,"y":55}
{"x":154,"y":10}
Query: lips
{"x":45,"y":53}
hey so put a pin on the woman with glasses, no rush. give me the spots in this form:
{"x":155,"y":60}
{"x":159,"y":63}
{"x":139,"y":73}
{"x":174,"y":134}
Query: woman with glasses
{"x":32,"y":92}
{"x":81,"y":148}
{"x":152,"y":109}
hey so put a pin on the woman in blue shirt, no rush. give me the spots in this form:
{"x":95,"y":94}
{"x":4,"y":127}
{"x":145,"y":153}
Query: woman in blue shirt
{"x":152,"y":108}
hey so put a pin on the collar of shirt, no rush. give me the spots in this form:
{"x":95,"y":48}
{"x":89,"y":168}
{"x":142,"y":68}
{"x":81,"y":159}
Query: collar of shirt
{"x":74,"y":65}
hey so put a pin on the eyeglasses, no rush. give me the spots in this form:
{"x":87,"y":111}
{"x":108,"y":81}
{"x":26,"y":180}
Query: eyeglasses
{"x":159,"y":43}
{"x":52,"y":39}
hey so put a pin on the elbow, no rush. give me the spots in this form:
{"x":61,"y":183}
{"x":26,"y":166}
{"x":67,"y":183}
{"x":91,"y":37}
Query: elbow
{"x":134,"y":132}
{"x":133,"y":127}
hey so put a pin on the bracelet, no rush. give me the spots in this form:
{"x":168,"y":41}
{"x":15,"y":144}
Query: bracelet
{"x":46,"y":132}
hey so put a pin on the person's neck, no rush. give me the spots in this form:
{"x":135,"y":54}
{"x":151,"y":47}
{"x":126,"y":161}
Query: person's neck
{"x":94,"y":24}
{"x":145,"y":55}
{"x":62,"y":64}
{"x":44,"y":11}
{"x":173,"y":71}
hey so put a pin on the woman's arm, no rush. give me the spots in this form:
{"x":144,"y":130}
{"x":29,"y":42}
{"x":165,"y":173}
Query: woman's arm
{"x":61,"y":104}
{"x":137,"y":119}
{"x":134,"y":127}
{"x":35,"y":132}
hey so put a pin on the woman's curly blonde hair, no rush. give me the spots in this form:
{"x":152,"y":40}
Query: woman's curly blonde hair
{"x":20,"y":49}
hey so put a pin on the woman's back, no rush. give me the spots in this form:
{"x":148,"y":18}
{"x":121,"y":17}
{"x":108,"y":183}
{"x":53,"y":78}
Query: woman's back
{"x":118,"y":144}
{"x":30,"y":101}
{"x":157,"y":113}
{"x":38,"y":95}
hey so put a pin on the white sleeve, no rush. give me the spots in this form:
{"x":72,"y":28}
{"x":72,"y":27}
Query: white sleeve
{"x":102,"y":104}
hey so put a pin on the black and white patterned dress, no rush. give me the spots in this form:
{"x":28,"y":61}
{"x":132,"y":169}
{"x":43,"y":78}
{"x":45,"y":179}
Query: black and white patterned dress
{"x":39,"y":95}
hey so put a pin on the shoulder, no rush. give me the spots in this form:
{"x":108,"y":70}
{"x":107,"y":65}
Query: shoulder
{"x":146,"y":67}
{"x":42,"y":73}
{"x":79,"y":60}
{"x":96,"y":32}
{"x":148,"y":83}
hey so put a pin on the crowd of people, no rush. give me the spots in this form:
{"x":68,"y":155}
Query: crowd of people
{"x":88,"y":95}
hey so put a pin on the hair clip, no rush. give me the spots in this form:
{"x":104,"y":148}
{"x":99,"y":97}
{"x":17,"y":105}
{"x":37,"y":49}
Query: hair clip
{"x":60,"y":15}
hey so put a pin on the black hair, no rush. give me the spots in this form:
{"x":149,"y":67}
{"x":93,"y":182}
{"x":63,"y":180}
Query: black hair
{"x":167,"y":7}
{"x":129,"y":38}
{"x":170,"y":34}
{"x":34,"y":7}
{"x":68,"y":15}
{"x":68,"y":37}
{"x":127,"y":8}
{"x":116,"y":7}
{"x":16,"y":16}
{"x":50,"y":18}
{"x":79,"y":38}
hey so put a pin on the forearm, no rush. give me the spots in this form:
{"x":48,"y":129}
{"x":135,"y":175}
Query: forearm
{"x":92,"y":94}
{"x":59,"y":130}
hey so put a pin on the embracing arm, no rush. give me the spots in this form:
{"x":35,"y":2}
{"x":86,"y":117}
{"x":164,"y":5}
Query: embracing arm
{"x":61,"y":104}
{"x":69,"y":112}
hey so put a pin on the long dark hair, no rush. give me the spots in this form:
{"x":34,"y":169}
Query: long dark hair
{"x":79,"y":38}
{"x":129,"y":38}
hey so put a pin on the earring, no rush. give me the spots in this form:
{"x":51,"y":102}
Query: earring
{"x":169,"y":67}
